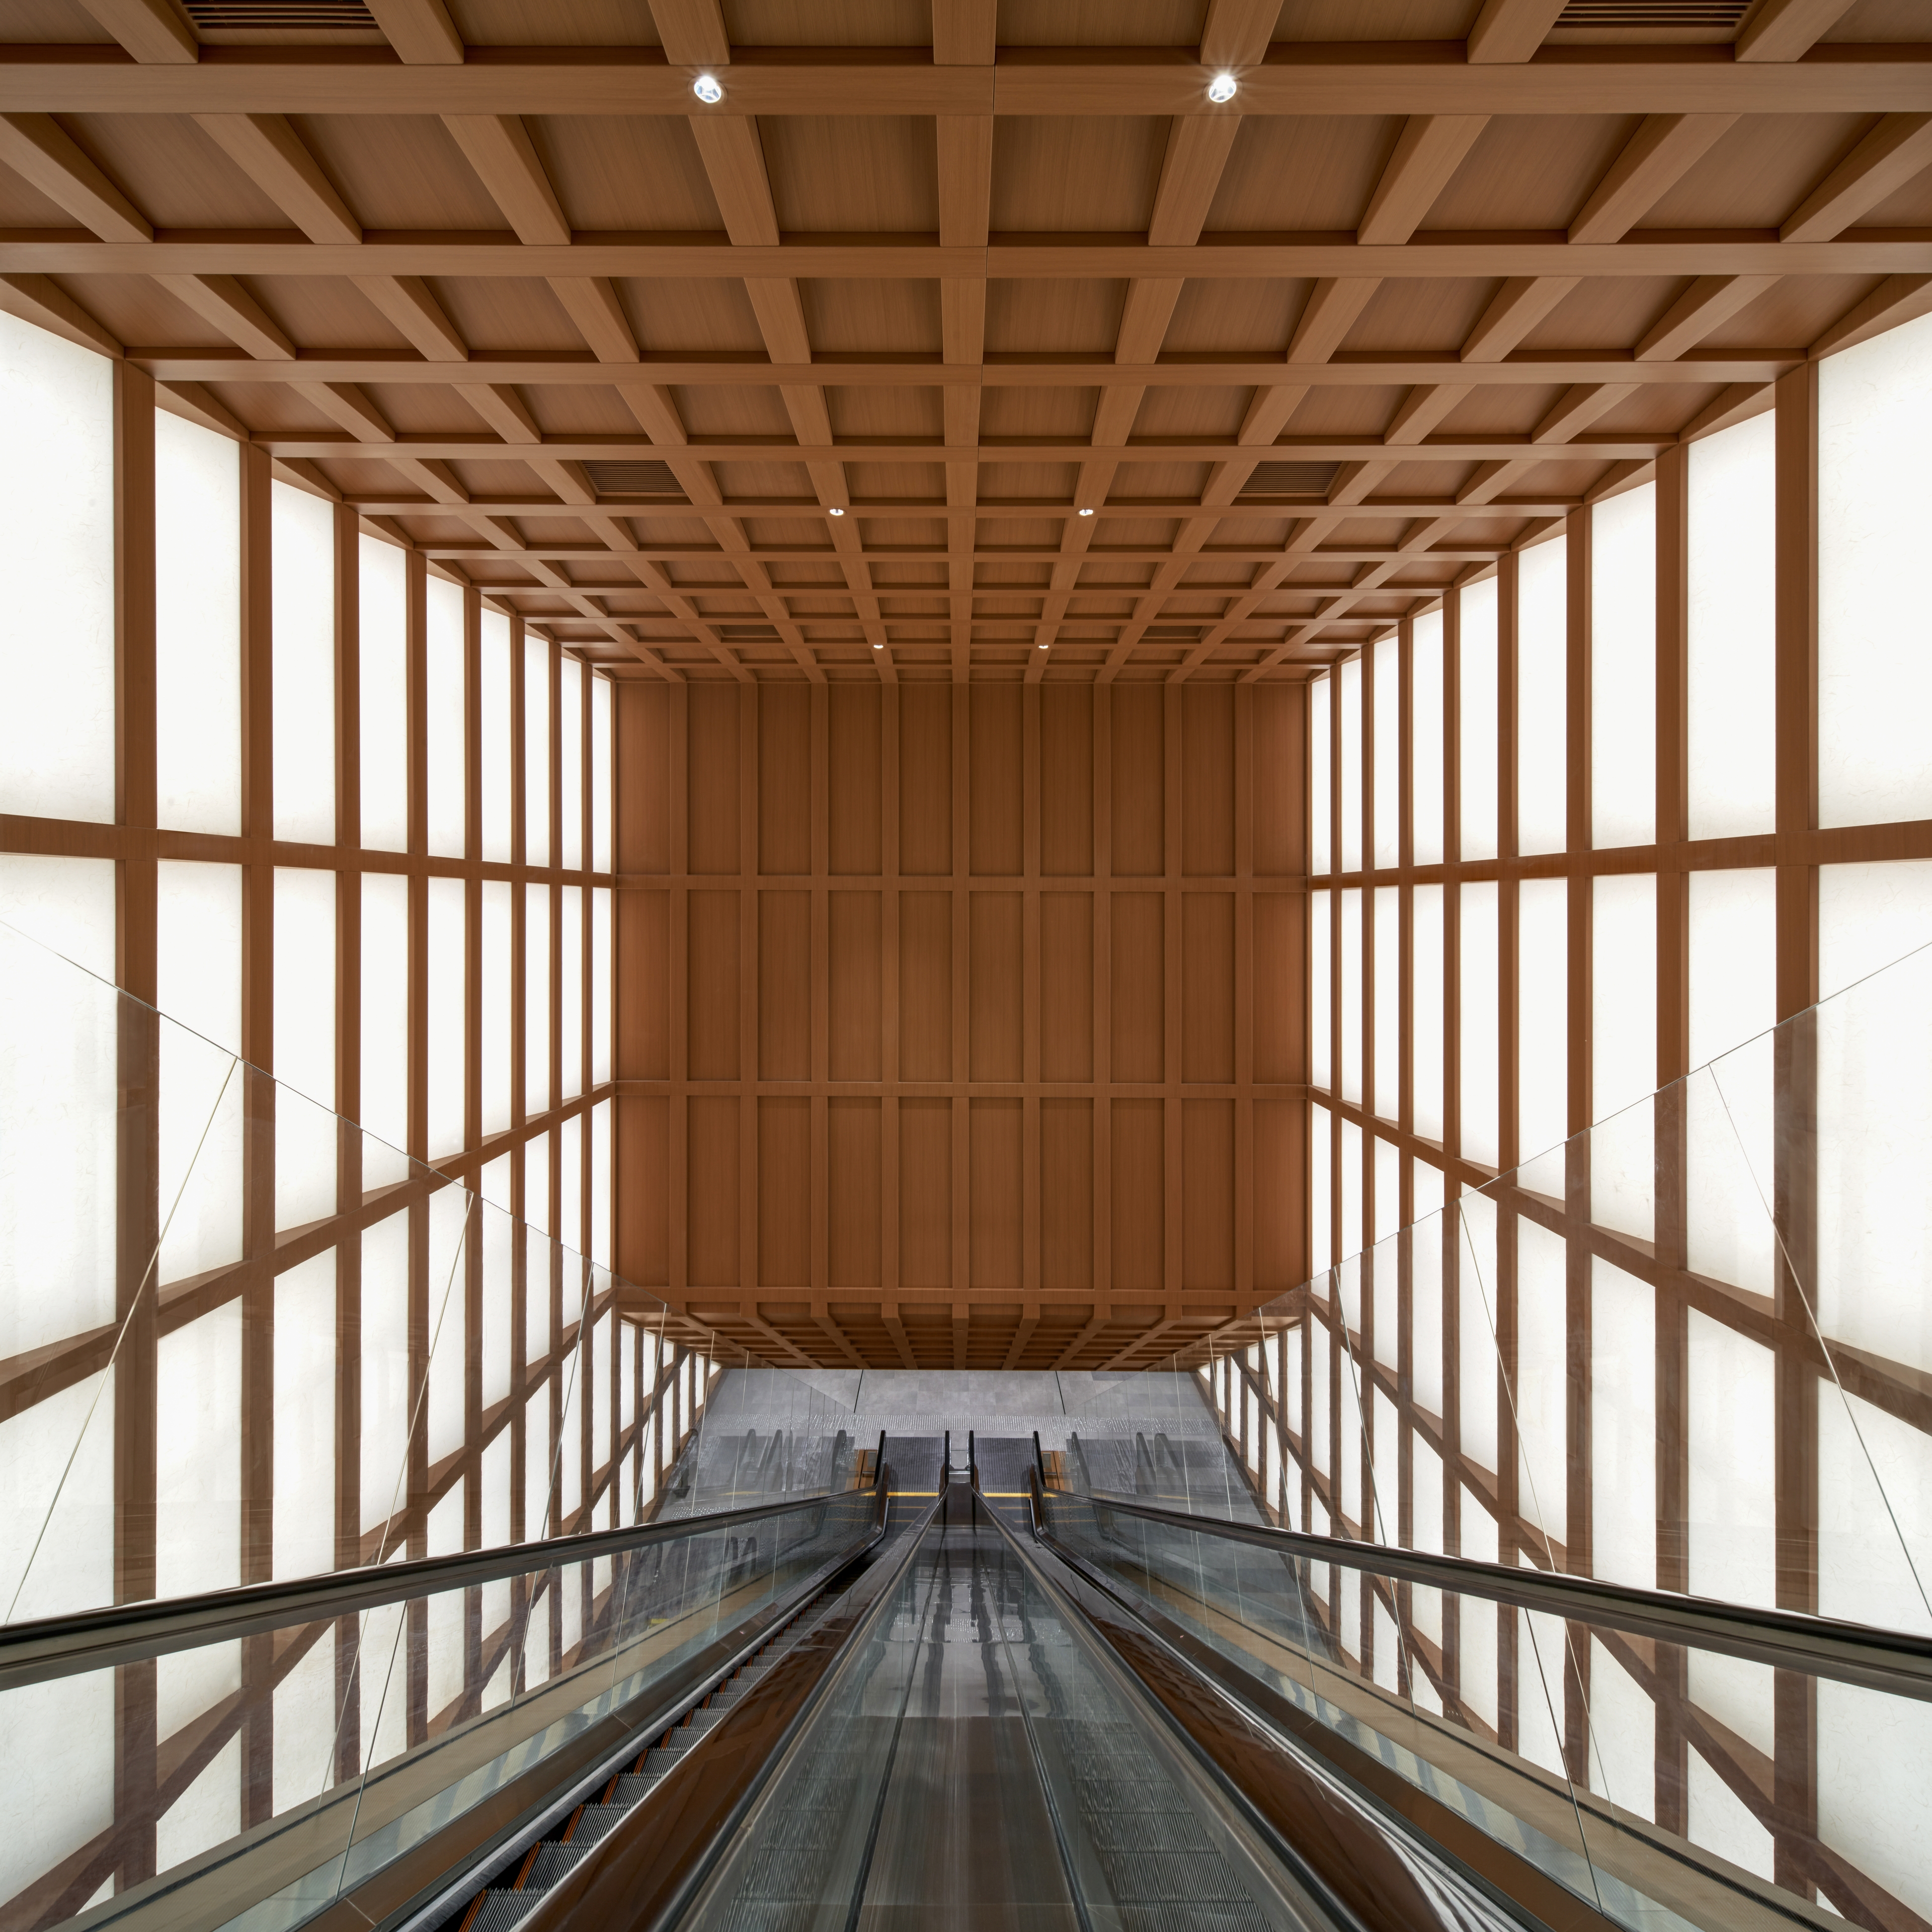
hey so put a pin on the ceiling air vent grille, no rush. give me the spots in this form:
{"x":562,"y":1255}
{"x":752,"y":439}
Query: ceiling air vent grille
{"x":626,"y":478}
{"x":258,"y":16}
{"x":1654,"y":13}
{"x":1290,"y":479}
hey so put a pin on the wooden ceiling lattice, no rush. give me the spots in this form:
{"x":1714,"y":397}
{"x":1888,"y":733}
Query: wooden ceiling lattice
{"x":813,"y":382}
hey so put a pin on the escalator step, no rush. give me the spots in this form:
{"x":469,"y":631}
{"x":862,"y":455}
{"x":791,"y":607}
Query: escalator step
{"x":1152,"y":1831}
{"x":1157,"y":1877}
{"x":498,"y":1911}
{"x":551,"y":1863}
{"x":1192,"y":1915}
{"x":593,"y":1822}
{"x":634,"y":1785}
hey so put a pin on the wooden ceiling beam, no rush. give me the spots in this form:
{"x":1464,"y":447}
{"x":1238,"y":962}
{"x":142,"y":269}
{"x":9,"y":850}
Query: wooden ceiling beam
{"x":1514,"y":310}
{"x":1317,"y":81}
{"x":499,"y":149}
{"x":1428,"y":152}
{"x":1897,"y":298}
{"x":42,"y":153}
{"x":1898,"y":148}
{"x":1577,"y":408}
{"x":41,"y":300}
{"x":1787,"y":30}
{"x":222,"y":300}
{"x":421,"y":32}
{"x":1332,"y":307}
{"x":1655,"y":158}
{"x":269,"y":151}
{"x":1709,"y":301}
{"x":1424,"y":407}
{"x":1511,"y":30}
{"x":410,"y":307}
{"x":151,"y":30}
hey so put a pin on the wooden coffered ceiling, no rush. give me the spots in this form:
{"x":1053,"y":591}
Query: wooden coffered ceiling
{"x":490,"y":271}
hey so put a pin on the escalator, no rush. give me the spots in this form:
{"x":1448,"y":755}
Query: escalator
{"x":950,"y":1692}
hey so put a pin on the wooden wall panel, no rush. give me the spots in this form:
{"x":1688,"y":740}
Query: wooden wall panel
{"x":962,"y":1025}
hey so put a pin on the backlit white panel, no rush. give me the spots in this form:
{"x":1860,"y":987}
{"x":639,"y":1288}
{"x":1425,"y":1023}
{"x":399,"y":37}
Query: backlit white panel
{"x":1733,"y":1516}
{"x":304,"y":1069}
{"x":1387,"y":674}
{"x":1348,"y":697}
{"x":570,"y":762}
{"x":1321,"y":1218}
{"x":536,"y":998}
{"x":570,"y":1183}
{"x":1320,"y":751}
{"x":1623,"y":1426}
{"x":599,"y":1247}
{"x":304,"y":1521}
{"x":1476,"y":1261}
{"x":1539,"y":1394}
{"x":1868,"y":916}
{"x":452,"y":1221}
{"x":536,"y":751}
{"x":1481,"y":1041}
{"x":1476,"y":668}
{"x":1348,"y":994}
{"x":1385,"y":902}
{"x":1426,"y":1049}
{"x":1624,"y":1032}
{"x":1543,"y":1014}
{"x":570,"y":991}
{"x":1425,"y":737}
{"x":386,"y":1007}
{"x":302,"y":534}
{"x":57,"y":557}
{"x":1874,"y":629}
{"x":449,"y":985}
{"x":1542,"y":684}
{"x":600,"y":984}
{"x":498,"y":1041}
{"x":494,"y":754}
{"x":1733,"y":958}
{"x":1732,"y":642}
{"x":197,"y":628}
{"x":445,"y":764}
{"x":601,"y":801}
{"x":387,"y":1396}
{"x":1623,"y":669}
{"x":1320,"y":990}
{"x":198,"y":1455}
{"x":382,"y":667}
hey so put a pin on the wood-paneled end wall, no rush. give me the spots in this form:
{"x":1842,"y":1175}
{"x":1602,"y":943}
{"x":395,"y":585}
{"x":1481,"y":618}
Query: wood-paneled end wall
{"x":961,"y":1025}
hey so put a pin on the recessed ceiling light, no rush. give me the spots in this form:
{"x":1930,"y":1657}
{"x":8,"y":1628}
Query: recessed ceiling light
{"x":710,"y":90}
{"x":878,"y":647}
{"x":1086,"y":513}
{"x":1221,"y":88}
{"x":836,"y":512}
{"x":1042,"y":647}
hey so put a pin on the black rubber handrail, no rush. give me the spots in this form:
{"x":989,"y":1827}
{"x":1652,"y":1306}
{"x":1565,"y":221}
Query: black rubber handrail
{"x":62,"y":1646}
{"x":1881,"y":1660}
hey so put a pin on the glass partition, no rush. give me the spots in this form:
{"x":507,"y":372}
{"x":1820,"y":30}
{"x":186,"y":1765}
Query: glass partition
{"x":1688,"y":1350}
{"x":242,"y":1340}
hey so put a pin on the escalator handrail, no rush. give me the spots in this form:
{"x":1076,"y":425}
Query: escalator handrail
{"x":1884,"y":1660}
{"x":34,"y":1652}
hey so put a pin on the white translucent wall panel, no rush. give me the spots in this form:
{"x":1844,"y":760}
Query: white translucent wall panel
{"x":1623,"y":1733}
{"x":601,"y":800}
{"x":1425,"y":737}
{"x":1624,"y":969}
{"x":1873,"y":1150}
{"x":1540,"y":1393}
{"x":1874,"y":627}
{"x":1476,"y":1345}
{"x":538,"y":1462}
{"x":450,"y":1226}
{"x":1720,"y":1820}
{"x":1542,"y":716}
{"x":1388,"y":1199}
{"x":1729,"y":1177}
{"x":600,"y":983}
{"x":1733,"y":958}
{"x":1541,"y":1666}
{"x":1868,"y":916}
{"x":536,"y":998}
{"x":1623,"y":669}
{"x":197,"y":628}
{"x":1732,"y":644}
{"x":302,"y":567}
{"x":1426,"y":1017}
{"x":1874,"y":1770}
{"x":536,"y":1158}
{"x":1476,"y":669}
{"x":383,"y":668}
{"x":570,"y":991}
{"x":1732,"y":1404}
{"x":570,"y":763}
{"x":598,"y":1247}
{"x":388,"y":1397}
{"x":198,"y":1455}
{"x":1480,"y":1043}
{"x":1348,"y":994}
{"x":56,"y":1508}
{"x":495,"y":1231}
{"x":1875,"y":1557}
{"x":1321,"y":691}
{"x":1386,"y":671}
{"x":448,"y":1017}
{"x":385,"y":1103}
{"x":1320,"y":990}
{"x":494,"y":754}
{"x":199,"y":984}
{"x":1543,"y":1014}
{"x":57,"y":560}
{"x":1623,"y":1426}
{"x":443,"y":716}
{"x":1386,"y":901}
{"x":59,"y":1028}
{"x":1321,"y":1217}
{"x":570,"y":1183}
{"x":305,"y":1413}
{"x":536,"y":751}
{"x":1425,"y":1261}
{"x":1348,"y":697}
{"x":499,"y":1041}
{"x":305,"y":1066}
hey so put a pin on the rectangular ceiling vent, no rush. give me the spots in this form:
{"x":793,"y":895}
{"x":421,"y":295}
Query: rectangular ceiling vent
{"x":1290,"y":479}
{"x":626,"y":478}
{"x":262,"y":17}
{"x":1627,"y":15}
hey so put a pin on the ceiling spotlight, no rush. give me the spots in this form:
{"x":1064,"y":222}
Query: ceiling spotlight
{"x":835,"y":510}
{"x":1042,"y":647}
{"x":878,"y":647}
{"x":1220,"y":88}
{"x":1086,"y":513}
{"x":710,"y":90}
